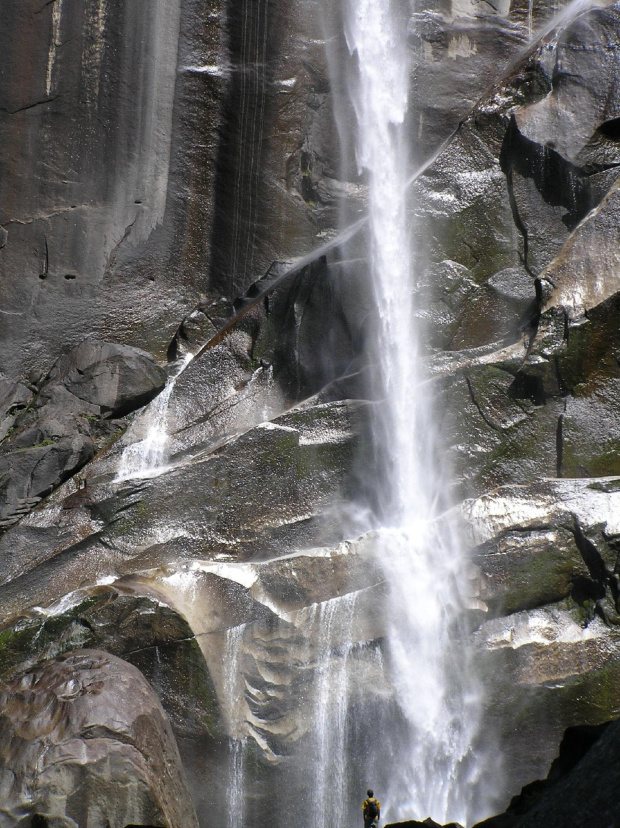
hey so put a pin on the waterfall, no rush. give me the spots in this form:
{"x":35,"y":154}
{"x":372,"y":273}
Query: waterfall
{"x":146,"y":457}
{"x":438,"y":695}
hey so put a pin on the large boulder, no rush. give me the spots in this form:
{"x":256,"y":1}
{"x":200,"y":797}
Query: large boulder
{"x":545,"y":588}
{"x":144,"y":632}
{"x":579,"y":789}
{"x":84,"y":741}
{"x":116,"y":378}
{"x":586,"y":794}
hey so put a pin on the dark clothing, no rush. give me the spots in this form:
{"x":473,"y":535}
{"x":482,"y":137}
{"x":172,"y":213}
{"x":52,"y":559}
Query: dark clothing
{"x":371,"y":808}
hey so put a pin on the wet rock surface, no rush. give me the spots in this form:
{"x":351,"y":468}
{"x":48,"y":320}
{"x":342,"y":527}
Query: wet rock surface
{"x":557,"y":650}
{"x":302,"y":460}
{"x":144,"y":632}
{"x":85,"y":741}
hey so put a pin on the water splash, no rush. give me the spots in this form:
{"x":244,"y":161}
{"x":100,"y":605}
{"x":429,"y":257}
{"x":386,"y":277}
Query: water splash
{"x":330,"y":627}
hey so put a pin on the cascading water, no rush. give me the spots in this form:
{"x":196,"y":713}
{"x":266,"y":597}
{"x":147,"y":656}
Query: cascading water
{"x":435,"y":767}
{"x":330,"y":625}
{"x":145,"y":457}
{"x":437,"y":694}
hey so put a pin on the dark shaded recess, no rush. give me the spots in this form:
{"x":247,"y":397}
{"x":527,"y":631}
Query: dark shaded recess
{"x":611,"y":129}
{"x":591,"y":557}
{"x":253,"y":34}
{"x":585,"y":590}
{"x":314,"y":343}
{"x":308,"y":191}
{"x":575,"y":744}
{"x":559,"y":182}
{"x":601,"y":577}
{"x":527,"y":323}
{"x":527,"y":387}
{"x":593,"y":349}
{"x":559,"y":446}
{"x":427,"y":823}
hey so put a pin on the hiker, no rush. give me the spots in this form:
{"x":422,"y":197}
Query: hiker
{"x":372,"y":809}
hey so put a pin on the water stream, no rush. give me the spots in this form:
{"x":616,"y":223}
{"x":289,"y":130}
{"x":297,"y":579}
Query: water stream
{"x":330,"y":625}
{"x":233,"y":691}
{"x":437,"y":692}
{"x":146,"y":457}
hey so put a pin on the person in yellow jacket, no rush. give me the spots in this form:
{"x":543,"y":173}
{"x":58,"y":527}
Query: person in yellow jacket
{"x":371,"y":809}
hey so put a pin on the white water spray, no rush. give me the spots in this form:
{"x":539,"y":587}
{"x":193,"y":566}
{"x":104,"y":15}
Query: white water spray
{"x":437,"y":695}
{"x":145,"y":458}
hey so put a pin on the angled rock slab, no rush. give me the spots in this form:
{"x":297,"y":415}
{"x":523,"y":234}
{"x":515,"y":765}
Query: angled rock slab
{"x":585,"y":796}
{"x":550,"y":547}
{"x":300,"y":464}
{"x":277,"y":630}
{"x":562,"y":531}
{"x":547,"y":671}
{"x":56,"y":435}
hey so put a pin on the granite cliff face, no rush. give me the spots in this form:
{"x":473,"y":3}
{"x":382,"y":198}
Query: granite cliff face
{"x":167,"y":170}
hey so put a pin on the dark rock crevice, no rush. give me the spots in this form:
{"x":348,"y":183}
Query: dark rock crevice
{"x":559,"y":445}
{"x":592,"y":595}
{"x":559,"y":184}
{"x":488,"y":420}
{"x":518,"y":221}
{"x":26,"y":107}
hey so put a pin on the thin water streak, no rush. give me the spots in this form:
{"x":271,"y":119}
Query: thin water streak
{"x":330,"y":626}
{"x":233,"y":693}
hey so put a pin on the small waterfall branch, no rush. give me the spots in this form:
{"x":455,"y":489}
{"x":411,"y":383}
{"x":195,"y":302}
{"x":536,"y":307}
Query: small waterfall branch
{"x":233,"y":691}
{"x":146,"y":457}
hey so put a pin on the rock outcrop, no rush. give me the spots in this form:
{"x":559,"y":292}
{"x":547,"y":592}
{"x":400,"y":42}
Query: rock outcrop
{"x":86,"y":742}
{"x":57,"y":428}
{"x":552,"y":639}
{"x":413,"y":823}
{"x":579,"y":789}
